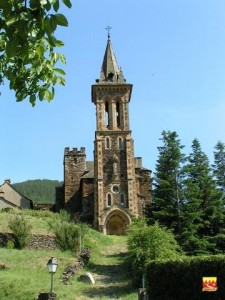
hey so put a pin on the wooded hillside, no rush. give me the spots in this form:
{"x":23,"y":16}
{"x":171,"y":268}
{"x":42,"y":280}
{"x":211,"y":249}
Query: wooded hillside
{"x":39,"y":190}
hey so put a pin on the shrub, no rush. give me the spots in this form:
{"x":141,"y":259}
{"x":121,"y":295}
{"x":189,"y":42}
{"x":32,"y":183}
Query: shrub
{"x":21,"y":230}
{"x":6,"y":210}
{"x":67,"y":237}
{"x":68,"y":234}
{"x":147,"y":244}
{"x":10,"y":244}
{"x":182,"y":278}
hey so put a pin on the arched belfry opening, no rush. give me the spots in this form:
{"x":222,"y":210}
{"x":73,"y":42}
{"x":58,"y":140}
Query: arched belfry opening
{"x":117,"y":222}
{"x":118,"y":114}
{"x":107,"y":114}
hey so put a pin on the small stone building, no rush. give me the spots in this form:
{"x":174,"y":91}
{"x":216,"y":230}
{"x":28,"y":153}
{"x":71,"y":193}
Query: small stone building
{"x":110,"y":190}
{"x":11,"y":198}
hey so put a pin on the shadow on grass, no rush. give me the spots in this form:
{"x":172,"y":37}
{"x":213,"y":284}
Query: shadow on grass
{"x":112,"y":280}
{"x":111,"y":292}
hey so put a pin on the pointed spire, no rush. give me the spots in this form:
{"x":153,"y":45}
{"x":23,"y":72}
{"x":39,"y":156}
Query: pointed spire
{"x":110,"y":72}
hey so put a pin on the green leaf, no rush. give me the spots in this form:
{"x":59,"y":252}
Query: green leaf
{"x":41,"y":94}
{"x":62,"y":58}
{"x":2,"y":45}
{"x":52,"y":40}
{"x":40,"y":50}
{"x":60,"y":71}
{"x":53,"y":92}
{"x":52,"y":23}
{"x":61,"y":20}
{"x":61,"y":81}
{"x":32,"y":99}
{"x":55,"y":57}
{"x":59,"y":43}
{"x":56,"y":5}
{"x":21,"y":94}
{"x":24,"y":16}
{"x":11,"y":20}
{"x":43,"y":2}
{"x":67,"y":3}
{"x":48,"y":95}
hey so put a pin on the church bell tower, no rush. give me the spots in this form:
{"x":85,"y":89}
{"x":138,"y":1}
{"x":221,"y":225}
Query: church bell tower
{"x":115,"y":187}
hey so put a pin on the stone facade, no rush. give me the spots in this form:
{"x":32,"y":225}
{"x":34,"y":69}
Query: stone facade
{"x":115,"y":187}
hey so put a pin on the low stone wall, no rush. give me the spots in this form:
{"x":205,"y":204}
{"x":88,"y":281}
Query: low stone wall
{"x":42,"y":242}
{"x":72,"y":270}
{"x":37,"y":241}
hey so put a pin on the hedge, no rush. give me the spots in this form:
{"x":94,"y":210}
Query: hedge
{"x":181,"y":279}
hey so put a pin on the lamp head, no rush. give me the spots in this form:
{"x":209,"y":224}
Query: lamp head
{"x":52,"y":265}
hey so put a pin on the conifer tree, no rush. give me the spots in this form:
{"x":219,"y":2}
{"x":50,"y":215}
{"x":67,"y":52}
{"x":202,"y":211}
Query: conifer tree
{"x":167,"y":183}
{"x":219,"y":165}
{"x":202,"y":207}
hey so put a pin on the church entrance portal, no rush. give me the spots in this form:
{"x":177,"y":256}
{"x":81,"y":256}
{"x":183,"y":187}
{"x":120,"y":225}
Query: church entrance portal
{"x":116,"y":223}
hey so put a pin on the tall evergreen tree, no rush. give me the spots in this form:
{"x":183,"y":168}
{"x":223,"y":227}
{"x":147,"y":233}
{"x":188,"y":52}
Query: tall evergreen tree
{"x":219,"y":165}
{"x":202,"y":207}
{"x":167,"y":187}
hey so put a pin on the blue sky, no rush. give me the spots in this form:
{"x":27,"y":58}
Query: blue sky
{"x":173,"y":52}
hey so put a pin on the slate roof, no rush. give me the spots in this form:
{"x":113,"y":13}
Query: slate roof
{"x":89,"y":170}
{"x":110,"y":72}
{"x":89,"y":165}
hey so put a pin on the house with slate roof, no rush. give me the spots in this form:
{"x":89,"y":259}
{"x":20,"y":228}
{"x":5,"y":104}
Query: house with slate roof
{"x":11,"y":198}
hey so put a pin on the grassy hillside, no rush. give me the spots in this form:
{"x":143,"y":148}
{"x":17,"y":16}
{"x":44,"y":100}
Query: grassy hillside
{"x":39,"y":190}
{"x":26,"y":274}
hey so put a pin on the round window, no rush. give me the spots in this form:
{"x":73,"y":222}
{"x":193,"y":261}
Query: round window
{"x":115,"y":189}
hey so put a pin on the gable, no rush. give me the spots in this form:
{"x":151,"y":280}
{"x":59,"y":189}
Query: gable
{"x":13,"y":197}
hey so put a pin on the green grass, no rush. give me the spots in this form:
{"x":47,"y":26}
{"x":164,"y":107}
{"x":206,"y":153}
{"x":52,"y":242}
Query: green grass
{"x":27,"y":273}
{"x":38,"y":219}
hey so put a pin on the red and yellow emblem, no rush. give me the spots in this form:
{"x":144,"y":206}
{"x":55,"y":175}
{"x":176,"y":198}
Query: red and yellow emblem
{"x":209,"y":284}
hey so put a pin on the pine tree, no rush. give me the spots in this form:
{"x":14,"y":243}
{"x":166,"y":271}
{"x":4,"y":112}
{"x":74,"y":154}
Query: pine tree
{"x":202,"y":206}
{"x":219,"y":165}
{"x":167,"y":192}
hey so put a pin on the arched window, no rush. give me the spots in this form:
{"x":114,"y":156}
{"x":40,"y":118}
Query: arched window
{"x":120,"y":143}
{"x":106,"y":114}
{"x":122,"y":200}
{"x":109,"y":199}
{"x":107,"y":143}
{"x":118,"y":114}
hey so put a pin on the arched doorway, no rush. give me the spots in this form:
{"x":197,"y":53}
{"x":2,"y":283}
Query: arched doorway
{"x":116,"y":223}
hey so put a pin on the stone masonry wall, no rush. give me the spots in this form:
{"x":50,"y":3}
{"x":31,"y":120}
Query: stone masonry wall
{"x":36,"y":242}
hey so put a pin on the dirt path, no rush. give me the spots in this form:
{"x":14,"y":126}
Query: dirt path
{"x":111,"y":276}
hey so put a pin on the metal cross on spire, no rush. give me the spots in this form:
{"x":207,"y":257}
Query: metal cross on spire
{"x":108,"y":28}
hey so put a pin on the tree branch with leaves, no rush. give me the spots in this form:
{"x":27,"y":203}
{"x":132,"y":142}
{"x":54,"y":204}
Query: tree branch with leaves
{"x":28,"y":58}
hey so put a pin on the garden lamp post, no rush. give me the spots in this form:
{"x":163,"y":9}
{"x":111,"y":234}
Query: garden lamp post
{"x":52,"y":267}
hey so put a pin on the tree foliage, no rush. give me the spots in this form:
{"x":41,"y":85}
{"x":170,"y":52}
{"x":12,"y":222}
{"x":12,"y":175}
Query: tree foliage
{"x":203,"y":211}
{"x":219,"y":165}
{"x":167,"y":182}
{"x":27,"y":47}
{"x":149,"y":243}
{"x":39,"y":190}
{"x":189,"y":195}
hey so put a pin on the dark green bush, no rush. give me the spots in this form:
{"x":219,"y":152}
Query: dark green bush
{"x":67,"y":237}
{"x":68,"y":234}
{"x":182,"y":278}
{"x":21,"y":230}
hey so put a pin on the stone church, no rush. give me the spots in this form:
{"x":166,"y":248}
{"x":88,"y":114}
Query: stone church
{"x":115,"y":187}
